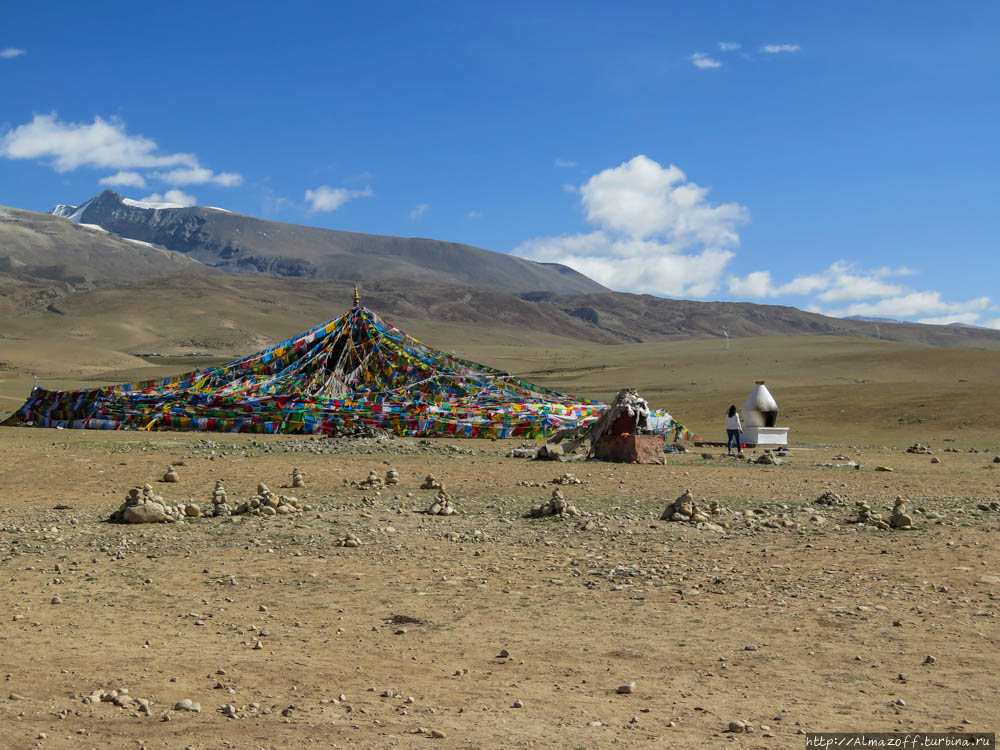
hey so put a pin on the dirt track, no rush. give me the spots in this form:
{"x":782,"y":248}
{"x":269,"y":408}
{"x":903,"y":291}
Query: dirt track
{"x":796,"y":629}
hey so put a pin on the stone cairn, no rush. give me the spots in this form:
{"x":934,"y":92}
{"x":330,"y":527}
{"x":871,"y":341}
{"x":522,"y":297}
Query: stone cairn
{"x":684,"y":508}
{"x":566,"y":479}
{"x":555,"y":506}
{"x":267,"y":503}
{"x":351,"y":540}
{"x":142,"y":505}
{"x":867,"y":516}
{"x":442,"y":505}
{"x":372,"y":482}
{"x":830,"y":498}
{"x":391,"y":477}
{"x":899,"y":518}
{"x":430,"y":483}
{"x":923,"y":450}
{"x":298,"y":479}
{"x":220,"y":508}
{"x":171,"y":475}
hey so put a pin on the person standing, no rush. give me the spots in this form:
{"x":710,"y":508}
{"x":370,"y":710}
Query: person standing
{"x":733,"y":429}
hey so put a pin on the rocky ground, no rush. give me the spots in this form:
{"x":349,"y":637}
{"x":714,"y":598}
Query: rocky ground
{"x":776,"y":614}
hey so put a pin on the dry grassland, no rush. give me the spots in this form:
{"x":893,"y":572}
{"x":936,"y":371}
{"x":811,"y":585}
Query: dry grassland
{"x":797,"y":621}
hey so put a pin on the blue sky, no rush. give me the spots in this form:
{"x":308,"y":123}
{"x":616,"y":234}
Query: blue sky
{"x":840,"y":157}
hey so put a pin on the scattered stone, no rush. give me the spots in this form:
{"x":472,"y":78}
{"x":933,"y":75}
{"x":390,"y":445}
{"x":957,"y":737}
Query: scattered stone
{"x":935,"y":460}
{"x":831,"y":499}
{"x":766,"y":458}
{"x":626,"y":689}
{"x":518,"y":704}
{"x":884,"y":468}
{"x":566,"y":479}
{"x":929,"y":659}
{"x":737,"y":727}
{"x":56,"y":600}
{"x":920,"y":449}
{"x":187,"y":705}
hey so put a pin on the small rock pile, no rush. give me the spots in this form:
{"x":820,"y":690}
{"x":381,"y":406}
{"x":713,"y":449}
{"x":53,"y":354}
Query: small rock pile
{"x":391,"y":477}
{"x":830,"y":498}
{"x":899,"y":518}
{"x":298,"y":479}
{"x":142,"y":505}
{"x":430,"y":483}
{"x":373,"y":482}
{"x":566,"y":479}
{"x":267,"y":503}
{"x":555,"y":506}
{"x":924,"y":450}
{"x":220,"y":508}
{"x":351,"y":540}
{"x":171,"y":475}
{"x":767,"y":458}
{"x":685,"y":509}
{"x":441,"y":506}
{"x":867,"y":516}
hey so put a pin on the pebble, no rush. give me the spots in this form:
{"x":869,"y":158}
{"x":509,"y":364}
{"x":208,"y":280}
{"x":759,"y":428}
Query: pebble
{"x":518,"y":703}
{"x":56,"y":600}
{"x":187,"y":705}
{"x":737,"y":727}
{"x":626,"y":689}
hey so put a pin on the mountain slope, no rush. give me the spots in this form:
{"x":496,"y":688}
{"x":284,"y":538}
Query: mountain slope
{"x":244,"y":244}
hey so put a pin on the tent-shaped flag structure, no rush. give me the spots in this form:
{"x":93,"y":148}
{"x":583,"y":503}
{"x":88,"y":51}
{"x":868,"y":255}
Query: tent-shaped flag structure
{"x":355,"y":370}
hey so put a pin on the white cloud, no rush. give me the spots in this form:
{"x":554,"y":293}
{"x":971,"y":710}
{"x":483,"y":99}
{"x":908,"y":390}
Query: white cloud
{"x":171,"y":196}
{"x":475,"y":215}
{"x":729,"y":46}
{"x":838,"y":283}
{"x":775,"y":49}
{"x":654,"y":232}
{"x":995,"y":323}
{"x":569,"y":188}
{"x":418,"y":211}
{"x":102,"y":144}
{"x":704,"y":61}
{"x":916,"y":305}
{"x":11,"y":52}
{"x":641,"y":198}
{"x":326,"y":198}
{"x":199,"y":176}
{"x":124,"y":179}
{"x":968,"y":318}
{"x":565,"y":163}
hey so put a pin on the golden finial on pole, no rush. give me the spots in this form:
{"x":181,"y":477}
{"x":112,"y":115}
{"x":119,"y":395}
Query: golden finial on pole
{"x":357,"y":297}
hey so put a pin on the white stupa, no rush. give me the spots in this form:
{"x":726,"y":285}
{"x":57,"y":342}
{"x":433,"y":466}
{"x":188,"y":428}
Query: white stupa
{"x":760,"y":419}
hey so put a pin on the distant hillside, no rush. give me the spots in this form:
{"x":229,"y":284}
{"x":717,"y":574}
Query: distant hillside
{"x":244,"y":244}
{"x":43,"y":258}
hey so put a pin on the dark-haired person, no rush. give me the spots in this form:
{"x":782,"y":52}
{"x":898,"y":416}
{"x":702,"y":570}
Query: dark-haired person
{"x":733,"y":429}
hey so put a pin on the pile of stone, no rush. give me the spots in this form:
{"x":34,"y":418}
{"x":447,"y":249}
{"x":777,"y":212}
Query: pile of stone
{"x":373,"y":482}
{"x":766,"y":458}
{"x":831,"y":499}
{"x":555,"y":506}
{"x":430,"y":483}
{"x":867,"y":516}
{"x":924,"y":450}
{"x":442,"y":505}
{"x":351,"y":540}
{"x":142,"y":505}
{"x":264,"y":503}
{"x":359,"y":431}
{"x":899,"y":518}
{"x":992,"y":505}
{"x":391,"y":477}
{"x":566,"y":479}
{"x":171,"y":475}
{"x":684,"y":508}
{"x":298,"y":479}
